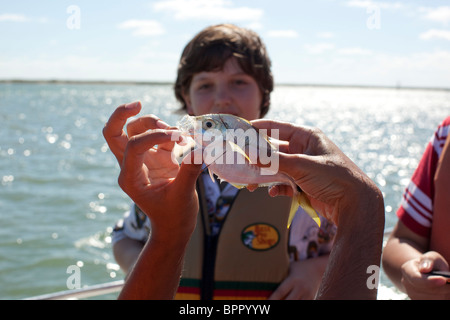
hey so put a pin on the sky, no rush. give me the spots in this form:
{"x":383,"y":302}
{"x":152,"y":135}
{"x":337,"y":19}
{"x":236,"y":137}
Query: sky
{"x":323,"y":42}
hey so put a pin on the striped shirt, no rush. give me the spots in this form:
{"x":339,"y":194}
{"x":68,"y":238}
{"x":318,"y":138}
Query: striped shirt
{"x":416,"y":208}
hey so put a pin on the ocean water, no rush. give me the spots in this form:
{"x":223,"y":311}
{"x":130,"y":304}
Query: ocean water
{"x":59,"y":196}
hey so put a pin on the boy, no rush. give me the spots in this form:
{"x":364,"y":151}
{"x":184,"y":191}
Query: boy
{"x":226,"y":69}
{"x":418,"y":244}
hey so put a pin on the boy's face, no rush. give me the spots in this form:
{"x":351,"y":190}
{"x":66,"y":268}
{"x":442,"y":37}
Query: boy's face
{"x":229,"y":91}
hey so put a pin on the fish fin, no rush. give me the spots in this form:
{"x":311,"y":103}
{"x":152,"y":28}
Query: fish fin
{"x":272,"y":146}
{"x":239,"y":119}
{"x":252,"y":187}
{"x":294,"y":207}
{"x":237,"y":186}
{"x":238,"y":149}
{"x":304,"y":202}
{"x":211,"y":175}
{"x":266,"y":137}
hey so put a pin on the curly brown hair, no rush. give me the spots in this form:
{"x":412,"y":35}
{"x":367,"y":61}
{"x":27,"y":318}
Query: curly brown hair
{"x":213,"y":46}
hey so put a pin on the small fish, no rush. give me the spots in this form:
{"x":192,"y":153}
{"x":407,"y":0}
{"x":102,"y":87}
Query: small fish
{"x":230,"y":148}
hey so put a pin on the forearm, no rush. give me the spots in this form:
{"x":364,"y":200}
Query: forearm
{"x":317,"y":271}
{"x":395,"y":254}
{"x":157,"y":272}
{"x":403,"y":245}
{"x":358,"y":245}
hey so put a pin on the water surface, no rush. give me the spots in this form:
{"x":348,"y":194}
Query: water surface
{"x":59,"y":196}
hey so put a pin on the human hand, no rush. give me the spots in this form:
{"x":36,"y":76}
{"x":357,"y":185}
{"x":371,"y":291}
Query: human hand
{"x":302,"y":281}
{"x":164,"y":190}
{"x":329,"y":178}
{"x":342,"y":193}
{"x":419,"y":284}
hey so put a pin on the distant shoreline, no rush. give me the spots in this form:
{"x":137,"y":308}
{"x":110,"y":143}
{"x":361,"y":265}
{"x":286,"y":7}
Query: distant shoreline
{"x":93,"y":82}
{"x":165,"y":83}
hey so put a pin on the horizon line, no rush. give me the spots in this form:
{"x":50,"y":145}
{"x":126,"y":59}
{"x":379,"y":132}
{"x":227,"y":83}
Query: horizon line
{"x":137,"y":82}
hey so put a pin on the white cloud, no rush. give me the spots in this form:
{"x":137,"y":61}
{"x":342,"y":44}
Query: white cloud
{"x":433,"y":66}
{"x":419,"y":69}
{"x":318,"y":48}
{"x":439,"y":14}
{"x":435,"y":34}
{"x":370,"y":3}
{"x":256,"y":25}
{"x":139,"y":67}
{"x":13,"y":17}
{"x":325,"y":35}
{"x":222,"y":10}
{"x":282,"y":34}
{"x":327,"y":47}
{"x":18,"y":17}
{"x":354,"y":51}
{"x":143,"y":28}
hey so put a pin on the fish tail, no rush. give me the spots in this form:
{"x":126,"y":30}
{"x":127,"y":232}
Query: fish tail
{"x":294,"y":207}
{"x":300,"y":199}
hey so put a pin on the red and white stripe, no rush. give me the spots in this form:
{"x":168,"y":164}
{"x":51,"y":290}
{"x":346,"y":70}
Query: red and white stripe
{"x":416,"y":209}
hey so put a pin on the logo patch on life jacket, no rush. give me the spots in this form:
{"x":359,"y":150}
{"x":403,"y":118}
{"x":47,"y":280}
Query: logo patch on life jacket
{"x":260,"y":236}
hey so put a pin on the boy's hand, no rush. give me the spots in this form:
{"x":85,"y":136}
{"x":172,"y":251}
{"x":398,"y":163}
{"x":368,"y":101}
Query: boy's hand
{"x":417,"y":281}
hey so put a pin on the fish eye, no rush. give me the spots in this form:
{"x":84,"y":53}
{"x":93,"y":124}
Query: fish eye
{"x":208,"y":124}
